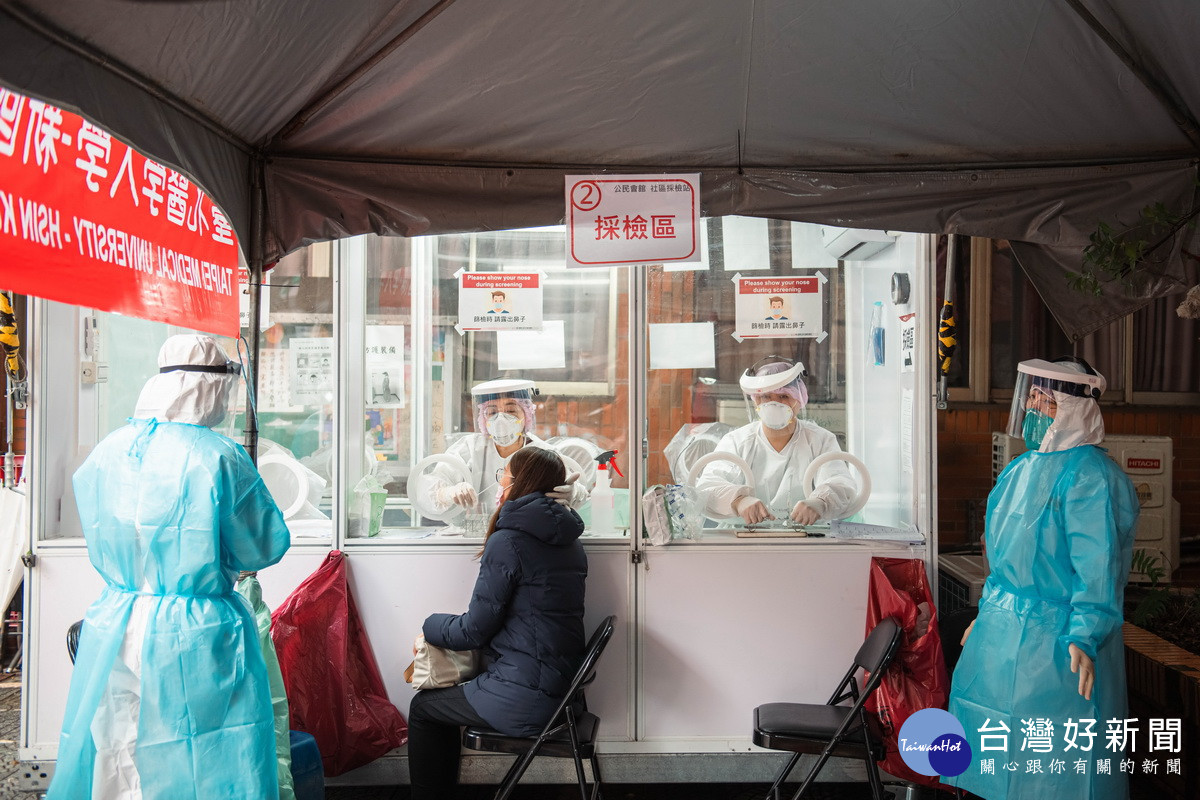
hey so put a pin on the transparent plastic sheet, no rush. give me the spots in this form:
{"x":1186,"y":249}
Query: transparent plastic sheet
{"x":249,"y":588}
{"x":334,"y":688}
{"x":691,"y":443}
{"x":672,"y":512}
{"x":684,"y":511}
{"x":917,"y":678}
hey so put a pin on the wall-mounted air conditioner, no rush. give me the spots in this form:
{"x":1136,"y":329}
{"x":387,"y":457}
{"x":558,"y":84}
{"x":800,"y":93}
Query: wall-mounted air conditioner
{"x":854,"y":244}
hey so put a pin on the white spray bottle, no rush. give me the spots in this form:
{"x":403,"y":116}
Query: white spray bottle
{"x":602,"y":496}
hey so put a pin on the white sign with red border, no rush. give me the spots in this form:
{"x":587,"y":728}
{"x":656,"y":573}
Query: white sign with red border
{"x":499,"y":301}
{"x":632,"y":219}
{"x":779,"y":307}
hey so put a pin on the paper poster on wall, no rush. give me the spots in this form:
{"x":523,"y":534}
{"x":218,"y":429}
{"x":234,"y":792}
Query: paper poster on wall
{"x":274,"y":381}
{"x":384,"y":366}
{"x":745,"y":244}
{"x":682,"y":345}
{"x":780,"y":308}
{"x":312,"y":370}
{"x":544,"y":349}
{"x":499,"y":301}
{"x":908,"y":342}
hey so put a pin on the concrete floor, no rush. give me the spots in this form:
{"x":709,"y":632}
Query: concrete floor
{"x":10,"y":723}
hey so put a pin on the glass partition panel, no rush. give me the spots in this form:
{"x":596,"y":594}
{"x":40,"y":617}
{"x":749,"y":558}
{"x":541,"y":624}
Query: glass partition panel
{"x":92,"y":366}
{"x":433,"y":460}
{"x":766,"y":299}
{"x":297,"y":380}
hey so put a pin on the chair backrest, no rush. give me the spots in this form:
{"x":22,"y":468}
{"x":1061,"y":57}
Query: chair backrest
{"x":587,"y":668}
{"x":880,"y":647}
{"x":73,"y":639}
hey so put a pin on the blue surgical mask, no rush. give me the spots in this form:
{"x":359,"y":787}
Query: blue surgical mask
{"x":1034,"y":428}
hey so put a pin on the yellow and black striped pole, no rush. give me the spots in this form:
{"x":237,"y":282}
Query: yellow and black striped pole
{"x":8,"y":336}
{"x":947,"y":339}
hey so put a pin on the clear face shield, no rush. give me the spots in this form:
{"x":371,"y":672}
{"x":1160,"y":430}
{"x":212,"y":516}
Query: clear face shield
{"x":775,"y":392}
{"x":504,"y":409}
{"x":1039,"y":388}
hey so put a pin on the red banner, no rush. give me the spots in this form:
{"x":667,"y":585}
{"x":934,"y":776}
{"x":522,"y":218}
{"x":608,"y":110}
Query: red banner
{"x":87,"y":220}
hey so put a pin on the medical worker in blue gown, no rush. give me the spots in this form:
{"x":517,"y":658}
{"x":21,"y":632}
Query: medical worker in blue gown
{"x":169,"y":697}
{"x":1047,"y":643}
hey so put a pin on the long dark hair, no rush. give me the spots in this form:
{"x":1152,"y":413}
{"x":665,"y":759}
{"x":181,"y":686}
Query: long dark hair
{"x":534,"y":469}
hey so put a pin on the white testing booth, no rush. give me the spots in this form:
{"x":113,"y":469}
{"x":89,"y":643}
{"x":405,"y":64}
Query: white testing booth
{"x":365,"y":370}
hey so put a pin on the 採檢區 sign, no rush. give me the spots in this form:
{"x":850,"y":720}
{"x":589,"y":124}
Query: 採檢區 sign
{"x":632,"y":219}
{"x":85,"y":219}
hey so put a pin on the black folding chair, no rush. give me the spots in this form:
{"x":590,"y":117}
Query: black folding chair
{"x":833,"y":729}
{"x":570,"y":733}
{"x":73,"y":639}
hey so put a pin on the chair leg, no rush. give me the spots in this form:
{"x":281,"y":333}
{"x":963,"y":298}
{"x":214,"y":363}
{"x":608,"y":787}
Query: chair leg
{"x":773,"y":792}
{"x":516,"y":771}
{"x":574,"y":736}
{"x":596,"y":795}
{"x":812,"y":774}
{"x":873,"y":777}
{"x":872,"y":767}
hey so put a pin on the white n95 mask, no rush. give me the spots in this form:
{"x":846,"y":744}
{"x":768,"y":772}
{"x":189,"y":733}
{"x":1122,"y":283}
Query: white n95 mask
{"x":504,"y":428}
{"x":775,"y":415}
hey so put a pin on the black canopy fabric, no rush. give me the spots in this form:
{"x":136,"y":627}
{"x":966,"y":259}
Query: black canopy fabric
{"x":308,"y":120}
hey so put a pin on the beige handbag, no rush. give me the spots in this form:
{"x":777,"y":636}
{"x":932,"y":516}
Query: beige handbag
{"x":436,"y":667}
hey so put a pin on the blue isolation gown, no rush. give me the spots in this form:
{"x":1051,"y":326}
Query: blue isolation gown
{"x":169,"y":697}
{"x":1060,"y":530}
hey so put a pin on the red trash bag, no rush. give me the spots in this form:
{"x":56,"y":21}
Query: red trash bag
{"x":917,"y":678}
{"x":333,"y":684}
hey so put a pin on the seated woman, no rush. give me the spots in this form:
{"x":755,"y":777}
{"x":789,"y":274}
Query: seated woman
{"x":526,"y":614}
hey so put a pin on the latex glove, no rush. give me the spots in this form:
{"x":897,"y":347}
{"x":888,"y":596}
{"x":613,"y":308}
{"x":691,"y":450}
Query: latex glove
{"x":751,"y":509}
{"x":804,"y":514}
{"x":967,"y":633}
{"x":460,"y":494}
{"x":569,"y":492}
{"x":1082,"y":663}
{"x":924,"y":617}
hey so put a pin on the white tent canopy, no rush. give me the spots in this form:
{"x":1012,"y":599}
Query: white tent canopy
{"x":308,"y":120}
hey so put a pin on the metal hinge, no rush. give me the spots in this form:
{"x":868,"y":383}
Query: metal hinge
{"x":635,"y":556}
{"x":29,"y":559}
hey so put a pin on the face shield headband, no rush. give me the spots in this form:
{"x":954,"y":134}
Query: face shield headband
{"x":781,"y":376}
{"x":1040,"y":388}
{"x":228,"y":368}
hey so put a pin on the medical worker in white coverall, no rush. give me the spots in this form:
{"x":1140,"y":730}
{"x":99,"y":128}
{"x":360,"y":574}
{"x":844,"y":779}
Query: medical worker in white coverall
{"x":504,"y":421}
{"x":169,"y":698}
{"x":778,"y":447}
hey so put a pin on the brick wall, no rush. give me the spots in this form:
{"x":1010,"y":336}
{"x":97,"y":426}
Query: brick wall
{"x":964,"y":448}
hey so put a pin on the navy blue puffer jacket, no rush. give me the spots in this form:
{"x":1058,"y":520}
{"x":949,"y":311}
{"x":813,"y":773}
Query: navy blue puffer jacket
{"x":526,"y":613}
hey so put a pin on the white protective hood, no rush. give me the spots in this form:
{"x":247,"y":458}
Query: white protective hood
{"x":197,"y":398}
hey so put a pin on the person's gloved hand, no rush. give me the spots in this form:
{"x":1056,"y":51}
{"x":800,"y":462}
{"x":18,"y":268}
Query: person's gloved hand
{"x":1081,"y":662}
{"x":460,"y":494}
{"x":571,"y":494}
{"x":804,"y":514}
{"x":751,"y":509}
